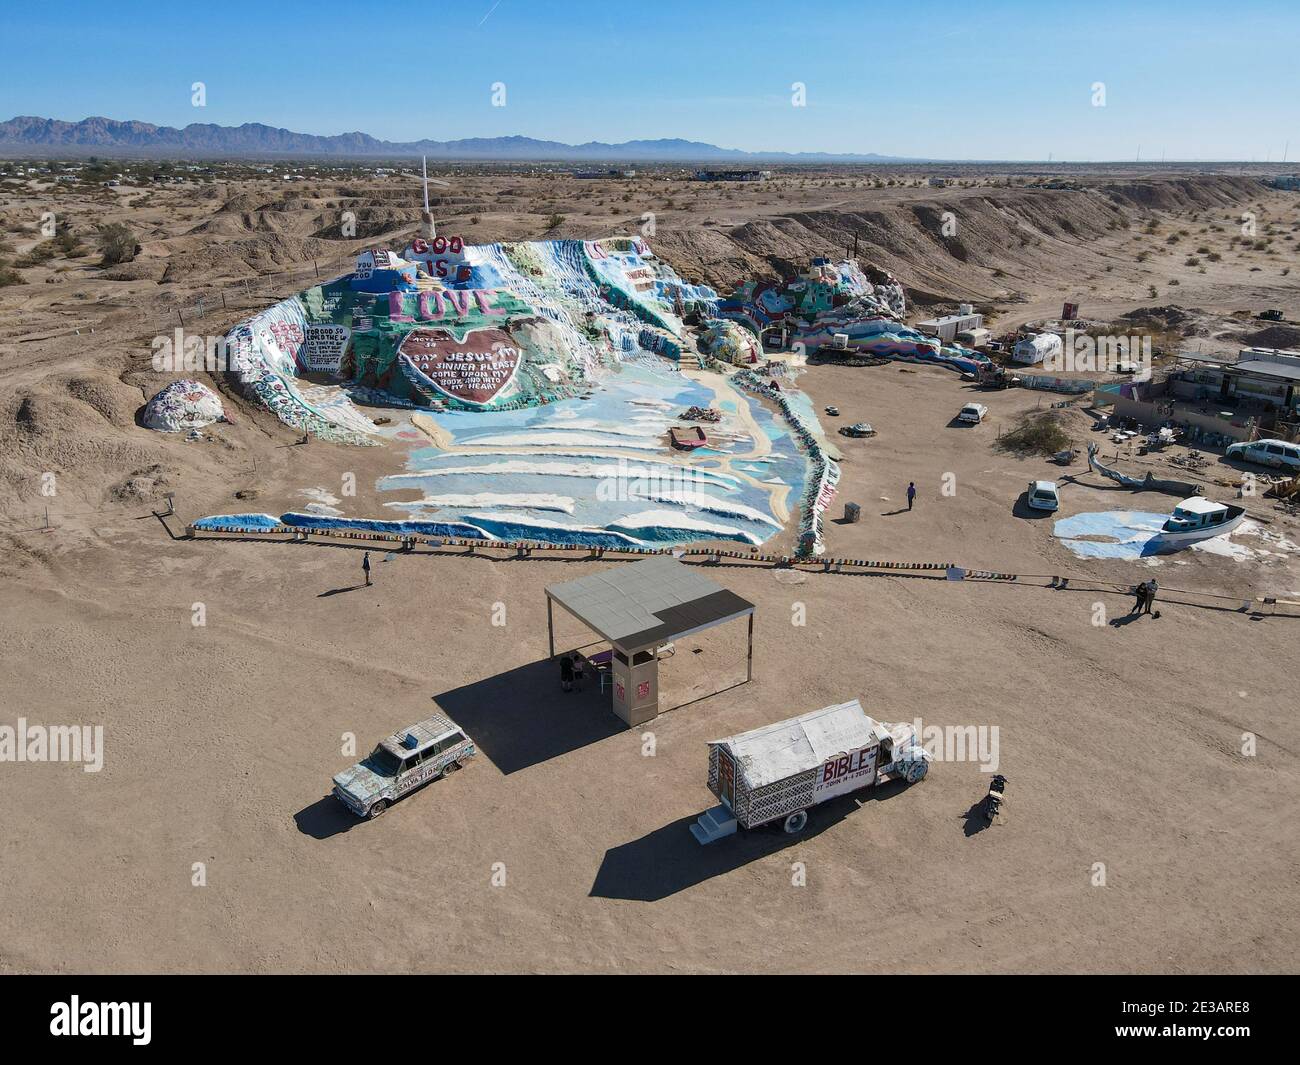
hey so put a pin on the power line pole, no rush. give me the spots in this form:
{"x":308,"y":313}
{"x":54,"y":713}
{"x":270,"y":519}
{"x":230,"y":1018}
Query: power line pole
{"x":428,"y":215}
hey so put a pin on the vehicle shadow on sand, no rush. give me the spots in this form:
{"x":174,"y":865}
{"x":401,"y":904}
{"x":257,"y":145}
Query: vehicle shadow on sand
{"x":669,"y":859}
{"x":520,"y":718}
{"x":1022,"y":509}
{"x":324,"y":818}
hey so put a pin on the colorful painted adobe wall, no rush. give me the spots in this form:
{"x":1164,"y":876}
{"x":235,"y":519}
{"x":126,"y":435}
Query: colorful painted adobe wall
{"x":823,"y":288}
{"x":829,"y":299}
{"x":450,"y":326}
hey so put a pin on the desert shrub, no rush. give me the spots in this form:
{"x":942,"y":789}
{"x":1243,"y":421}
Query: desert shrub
{"x":1039,"y":433}
{"x":116,"y":243}
{"x":36,"y":256}
{"x":69,"y":244}
{"x":554,"y":222}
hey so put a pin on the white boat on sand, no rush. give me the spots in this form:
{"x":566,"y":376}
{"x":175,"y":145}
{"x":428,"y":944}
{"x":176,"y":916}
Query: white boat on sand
{"x":1198,"y":518}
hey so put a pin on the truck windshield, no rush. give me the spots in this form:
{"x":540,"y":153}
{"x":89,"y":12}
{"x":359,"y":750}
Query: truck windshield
{"x":383,"y":762}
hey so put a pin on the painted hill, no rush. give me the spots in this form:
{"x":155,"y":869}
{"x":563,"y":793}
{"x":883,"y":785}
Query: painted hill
{"x":254,"y":139}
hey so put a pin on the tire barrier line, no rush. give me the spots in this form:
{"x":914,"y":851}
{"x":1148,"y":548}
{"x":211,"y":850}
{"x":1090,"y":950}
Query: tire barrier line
{"x":526,"y":548}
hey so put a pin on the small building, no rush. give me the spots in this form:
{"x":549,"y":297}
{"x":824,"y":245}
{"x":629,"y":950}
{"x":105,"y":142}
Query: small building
{"x":947,"y":327}
{"x":1216,"y":401}
{"x":975,"y":338}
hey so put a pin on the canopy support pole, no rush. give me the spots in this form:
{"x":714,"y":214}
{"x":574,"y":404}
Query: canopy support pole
{"x":550,"y":626}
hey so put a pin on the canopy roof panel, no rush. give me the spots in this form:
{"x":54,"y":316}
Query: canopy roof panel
{"x":648,"y":602}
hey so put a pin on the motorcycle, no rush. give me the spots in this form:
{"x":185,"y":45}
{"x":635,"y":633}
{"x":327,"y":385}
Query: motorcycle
{"x":993,"y":800}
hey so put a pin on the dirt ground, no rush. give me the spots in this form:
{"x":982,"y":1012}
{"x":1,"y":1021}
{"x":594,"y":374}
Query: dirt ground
{"x":1137,"y":837}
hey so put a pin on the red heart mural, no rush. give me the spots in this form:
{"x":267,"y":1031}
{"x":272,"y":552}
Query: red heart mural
{"x":475,"y":369}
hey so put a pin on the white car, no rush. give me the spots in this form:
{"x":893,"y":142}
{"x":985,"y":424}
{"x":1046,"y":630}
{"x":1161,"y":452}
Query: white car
{"x":1043,"y":495}
{"x":973,"y":413}
{"x":1267,"y":453}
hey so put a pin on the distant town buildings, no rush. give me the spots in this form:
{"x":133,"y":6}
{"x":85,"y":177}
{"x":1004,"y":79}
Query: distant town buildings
{"x":732,"y":175}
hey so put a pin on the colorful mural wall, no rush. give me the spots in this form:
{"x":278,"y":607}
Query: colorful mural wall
{"x":839,"y":298}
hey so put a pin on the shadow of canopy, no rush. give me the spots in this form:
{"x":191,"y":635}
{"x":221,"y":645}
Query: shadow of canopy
{"x":521,"y":718}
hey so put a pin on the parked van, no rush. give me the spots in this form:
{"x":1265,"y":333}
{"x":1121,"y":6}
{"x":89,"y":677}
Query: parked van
{"x":973,"y":413}
{"x":1267,"y":453}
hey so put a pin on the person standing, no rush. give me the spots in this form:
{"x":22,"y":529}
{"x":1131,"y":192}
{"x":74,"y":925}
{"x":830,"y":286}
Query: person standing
{"x":365,"y":567}
{"x":1152,"y":588}
{"x":579,"y":674}
{"x":911,"y":493}
{"x":1139,"y":597}
{"x":566,"y":673}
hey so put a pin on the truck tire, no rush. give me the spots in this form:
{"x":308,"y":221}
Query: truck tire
{"x":796,"y":823}
{"x":916,"y":771}
{"x":376,"y":809}
{"x":450,"y":768}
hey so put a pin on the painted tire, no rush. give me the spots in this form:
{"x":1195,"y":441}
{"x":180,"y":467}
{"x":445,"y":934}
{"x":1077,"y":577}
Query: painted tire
{"x":377,"y":809}
{"x":450,"y":768}
{"x":916,"y":771}
{"x":795,"y":823}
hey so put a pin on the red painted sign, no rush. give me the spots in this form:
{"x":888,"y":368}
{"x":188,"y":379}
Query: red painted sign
{"x":845,"y":772}
{"x":475,"y":369}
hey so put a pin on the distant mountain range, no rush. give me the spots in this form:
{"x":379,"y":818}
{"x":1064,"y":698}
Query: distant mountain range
{"x":254,"y":140}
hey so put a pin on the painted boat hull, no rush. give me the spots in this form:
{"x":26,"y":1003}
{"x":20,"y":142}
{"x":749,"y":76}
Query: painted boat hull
{"x":1236,"y":515}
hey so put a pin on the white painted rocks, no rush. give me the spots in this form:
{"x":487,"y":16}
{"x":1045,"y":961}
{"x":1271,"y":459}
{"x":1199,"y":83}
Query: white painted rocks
{"x":183,"y":405}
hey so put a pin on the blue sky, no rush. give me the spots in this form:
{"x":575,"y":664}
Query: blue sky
{"x":1001,"y":80}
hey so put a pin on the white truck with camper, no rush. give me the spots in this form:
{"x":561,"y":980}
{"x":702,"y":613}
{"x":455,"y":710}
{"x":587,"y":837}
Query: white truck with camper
{"x":778,"y":772}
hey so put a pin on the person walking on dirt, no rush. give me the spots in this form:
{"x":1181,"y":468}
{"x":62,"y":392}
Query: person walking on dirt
{"x":365,"y":567}
{"x":911,"y":493}
{"x":1139,"y":597}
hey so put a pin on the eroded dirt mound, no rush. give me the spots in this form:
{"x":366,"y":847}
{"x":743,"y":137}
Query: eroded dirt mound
{"x":1273,"y":336}
{"x":242,"y":258}
{"x":1181,"y":194}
